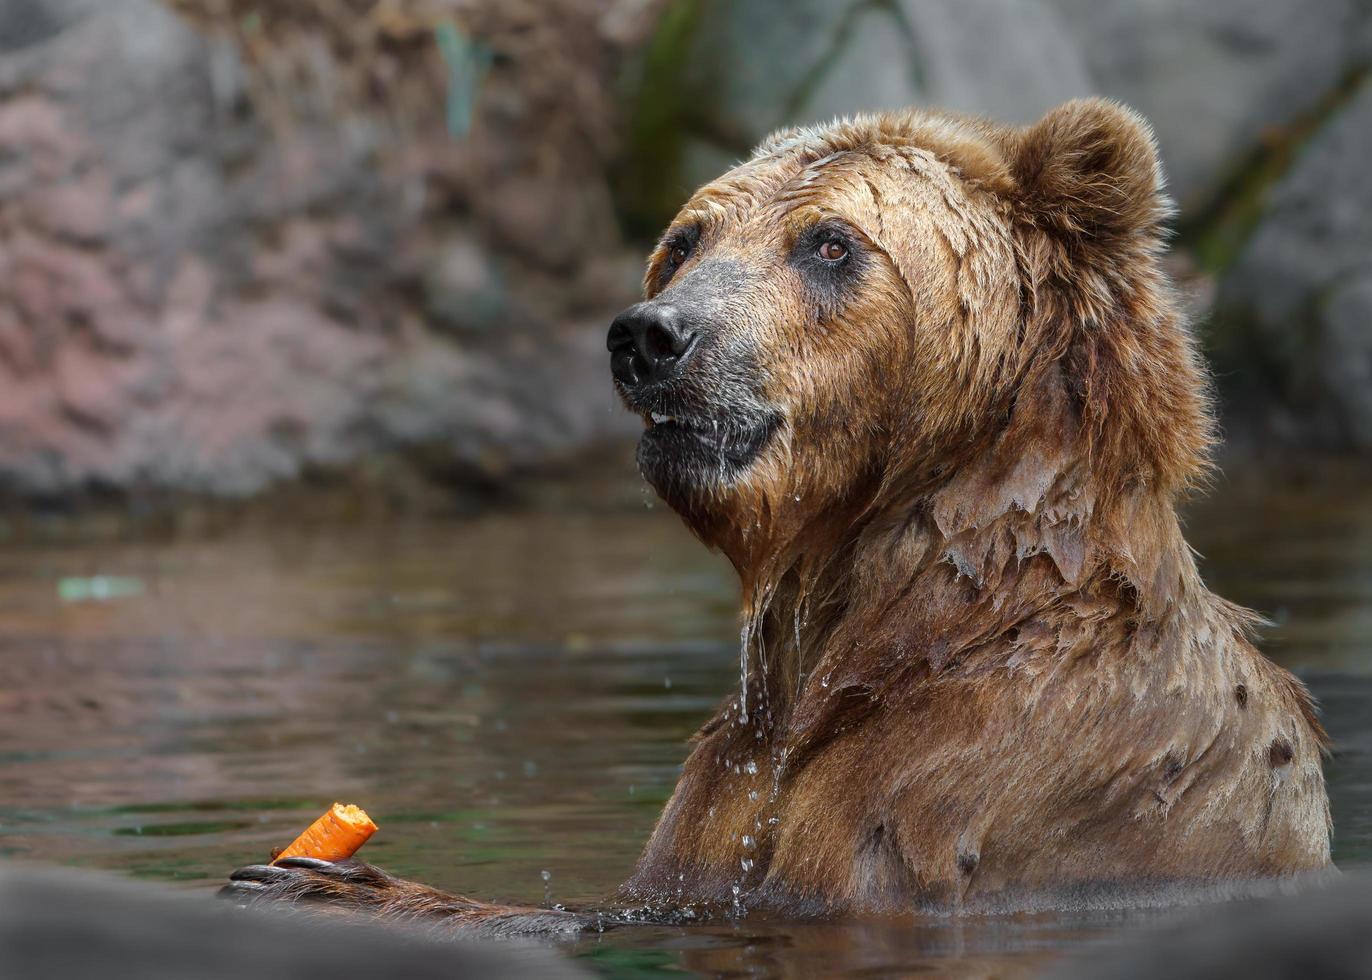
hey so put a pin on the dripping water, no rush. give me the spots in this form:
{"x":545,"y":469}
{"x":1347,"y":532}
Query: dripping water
{"x":743,"y":672}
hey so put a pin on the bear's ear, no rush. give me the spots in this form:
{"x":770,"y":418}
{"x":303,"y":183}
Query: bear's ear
{"x":1089,"y":207}
{"x":1089,"y":171}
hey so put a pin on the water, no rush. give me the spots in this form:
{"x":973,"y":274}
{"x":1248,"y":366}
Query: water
{"x":510,"y":695}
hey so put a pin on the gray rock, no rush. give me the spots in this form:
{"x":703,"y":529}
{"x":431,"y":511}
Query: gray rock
{"x":1296,"y":307}
{"x":1213,"y":76}
{"x":193,"y":301}
{"x":72,"y":925}
{"x":1314,"y":934}
{"x":872,"y":68}
{"x":753,"y":63}
{"x":1012,"y":60}
{"x":749,"y":68}
{"x":464,"y":291}
{"x":24,"y":23}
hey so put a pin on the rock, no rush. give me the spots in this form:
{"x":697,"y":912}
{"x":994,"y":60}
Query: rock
{"x":1215,"y":77}
{"x":723,"y":75}
{"x":872,"y":68}
{"x":24,"y":23}
{"x":771,"y":63}
{"x":1294,"y":313}
{"x":65,"y":924}
{"x":194,"y":301}
{"x":1317,"y":933}
{"x":1012,"y":60}
{"x":464,"y":291}
{"x":751,"y":64}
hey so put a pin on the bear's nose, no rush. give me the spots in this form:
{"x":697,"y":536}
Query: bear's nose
{"x":647,"y":343}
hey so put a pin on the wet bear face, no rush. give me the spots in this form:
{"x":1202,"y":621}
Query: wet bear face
{"x":808,"y":321}
{"x":856,"y":309}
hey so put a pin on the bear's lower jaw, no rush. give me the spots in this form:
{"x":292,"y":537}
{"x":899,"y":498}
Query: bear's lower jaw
{"x":685,"y":459}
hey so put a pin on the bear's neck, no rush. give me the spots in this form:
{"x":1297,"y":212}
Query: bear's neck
{"x":961,"y":578}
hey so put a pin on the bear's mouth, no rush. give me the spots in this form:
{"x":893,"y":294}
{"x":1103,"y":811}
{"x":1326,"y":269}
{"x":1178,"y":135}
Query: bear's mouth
{"x":684,"y":452}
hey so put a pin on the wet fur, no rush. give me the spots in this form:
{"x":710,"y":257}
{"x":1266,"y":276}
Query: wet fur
{"x":980,"y":669}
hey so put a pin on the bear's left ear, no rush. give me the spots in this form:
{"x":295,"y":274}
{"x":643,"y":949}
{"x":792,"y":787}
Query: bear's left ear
{"x":1088,"y":171}
{"x":1090,"y":209}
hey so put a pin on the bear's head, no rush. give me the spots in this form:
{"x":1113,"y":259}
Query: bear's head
{"x":862,"y":315}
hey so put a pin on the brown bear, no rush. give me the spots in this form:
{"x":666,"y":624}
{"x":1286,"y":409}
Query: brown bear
{"x":921,"y":378}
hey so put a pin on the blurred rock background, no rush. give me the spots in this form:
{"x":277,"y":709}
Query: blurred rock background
{"x":247,"y":243}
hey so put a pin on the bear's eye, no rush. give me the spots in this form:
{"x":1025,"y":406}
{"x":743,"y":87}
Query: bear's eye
{"x":679,"y":245}
{"x":833,"y":250}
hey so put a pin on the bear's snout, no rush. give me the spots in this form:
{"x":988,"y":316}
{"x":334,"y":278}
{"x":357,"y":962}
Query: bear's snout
{"x":648,"y":343}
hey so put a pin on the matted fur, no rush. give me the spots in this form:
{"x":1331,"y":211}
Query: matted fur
{"x":980,"y":670}
{"x":993,"y":677}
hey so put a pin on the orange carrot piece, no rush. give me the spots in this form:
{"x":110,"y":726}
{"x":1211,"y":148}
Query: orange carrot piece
{"x":335,"y":836}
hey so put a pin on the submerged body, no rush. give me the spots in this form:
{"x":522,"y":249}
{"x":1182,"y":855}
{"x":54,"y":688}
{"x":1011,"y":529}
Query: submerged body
{"x":921,"y":379}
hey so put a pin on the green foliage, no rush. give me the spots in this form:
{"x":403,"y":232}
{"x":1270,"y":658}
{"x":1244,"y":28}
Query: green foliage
{"x":648,"y":178}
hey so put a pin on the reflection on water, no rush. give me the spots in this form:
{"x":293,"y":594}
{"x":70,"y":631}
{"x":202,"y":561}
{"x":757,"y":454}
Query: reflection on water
{"x":509,"y":695}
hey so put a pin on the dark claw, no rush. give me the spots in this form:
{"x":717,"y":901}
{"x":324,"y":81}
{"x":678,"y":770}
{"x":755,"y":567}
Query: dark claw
{"x":259,"y":872}
{"x":289,"y":869}
{"x":303,"y":879}
{"x":245,"y":886}
{"x":313,"y":864}
{"x":347,"y":872}
{"x":241,"y":891}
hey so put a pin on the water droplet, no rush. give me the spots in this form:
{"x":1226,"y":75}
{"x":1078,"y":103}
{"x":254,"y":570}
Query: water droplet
{"x":736,"y":890}
{"x":667,"y":683}
{"x":747,"y":864}
{"x":546,"y":875}
{"x":743,"y":671}
{"x":747,"y":840}
{"x":752,"y":795}
{"x":751,"y":768}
